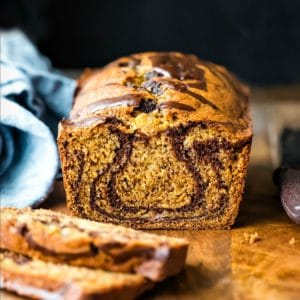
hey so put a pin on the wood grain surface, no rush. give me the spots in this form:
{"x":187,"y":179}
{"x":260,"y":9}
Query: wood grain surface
{"x":224,"y":264}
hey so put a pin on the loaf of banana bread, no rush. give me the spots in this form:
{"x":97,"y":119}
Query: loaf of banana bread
{"x":58,"y":238}
{"x":37,"y":279}
{"x":157,"y":140}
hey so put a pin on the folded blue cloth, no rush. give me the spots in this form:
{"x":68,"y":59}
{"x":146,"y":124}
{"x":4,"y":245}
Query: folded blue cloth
{"x":34,"y":97}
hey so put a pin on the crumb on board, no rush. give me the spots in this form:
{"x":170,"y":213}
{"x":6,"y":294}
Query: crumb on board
{"x":251,"y":237}
{"x":292,"y":241}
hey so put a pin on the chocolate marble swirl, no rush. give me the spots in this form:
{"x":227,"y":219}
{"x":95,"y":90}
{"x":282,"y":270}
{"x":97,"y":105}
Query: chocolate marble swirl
{"x":168,"y":72}
{"x":206,"y":151}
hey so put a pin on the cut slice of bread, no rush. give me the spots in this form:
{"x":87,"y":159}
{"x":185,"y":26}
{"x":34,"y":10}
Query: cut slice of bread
{"x":43,"y":280}
{"x":58,"y":238}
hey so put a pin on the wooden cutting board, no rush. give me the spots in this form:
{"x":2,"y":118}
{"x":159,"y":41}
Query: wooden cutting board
{"x":224,"y":264}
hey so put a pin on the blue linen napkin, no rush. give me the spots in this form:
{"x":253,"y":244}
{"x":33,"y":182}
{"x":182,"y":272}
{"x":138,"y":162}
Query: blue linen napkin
{"x":34,"y":97}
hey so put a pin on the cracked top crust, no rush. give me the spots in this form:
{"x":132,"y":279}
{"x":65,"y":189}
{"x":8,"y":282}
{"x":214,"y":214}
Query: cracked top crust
{"x":154,"y":91}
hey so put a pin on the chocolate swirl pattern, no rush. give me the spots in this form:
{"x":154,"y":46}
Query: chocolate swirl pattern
{"x":172,"y":147}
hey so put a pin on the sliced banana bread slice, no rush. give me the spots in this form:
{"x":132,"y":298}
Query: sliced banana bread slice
{"x":55,"y":237}
{"x":43,"y":280}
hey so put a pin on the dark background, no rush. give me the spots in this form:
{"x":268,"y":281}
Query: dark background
{"x":258,"y":40}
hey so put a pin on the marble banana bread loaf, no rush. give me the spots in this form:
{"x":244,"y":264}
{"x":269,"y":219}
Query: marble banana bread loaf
{"x":58,"y":238}
{"x":38,"y":279}
{"x":157,"y":140}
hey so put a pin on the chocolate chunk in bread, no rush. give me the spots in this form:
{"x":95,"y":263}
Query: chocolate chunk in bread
{"x":43,"y":280}
{"x":170,"y":149}
{"x":58,"y":238}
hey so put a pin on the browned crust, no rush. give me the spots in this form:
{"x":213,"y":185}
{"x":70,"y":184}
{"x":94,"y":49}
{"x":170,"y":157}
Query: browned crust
{"x":47,"y":238}
{"x":194,"y":89}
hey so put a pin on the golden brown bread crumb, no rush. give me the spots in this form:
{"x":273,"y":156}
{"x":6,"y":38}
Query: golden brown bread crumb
{"x":157,"y":140}
{"x":292,"y":241}
{"x":251,"y":237}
